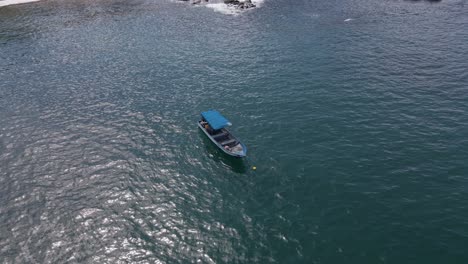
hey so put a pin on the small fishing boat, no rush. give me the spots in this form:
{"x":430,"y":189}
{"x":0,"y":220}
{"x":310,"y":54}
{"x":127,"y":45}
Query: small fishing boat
{"x":213,"y":124}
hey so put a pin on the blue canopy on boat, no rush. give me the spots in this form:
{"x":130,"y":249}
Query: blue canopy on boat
{"x":215,"y":119}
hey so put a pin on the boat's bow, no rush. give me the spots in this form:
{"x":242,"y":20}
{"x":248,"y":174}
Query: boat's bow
{"x":239,"y":150}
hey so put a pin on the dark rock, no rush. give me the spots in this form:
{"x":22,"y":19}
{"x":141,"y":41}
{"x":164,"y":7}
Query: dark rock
{"x":231,"y":2}
{"x":246,"y":5}
{"x":242,"y":5}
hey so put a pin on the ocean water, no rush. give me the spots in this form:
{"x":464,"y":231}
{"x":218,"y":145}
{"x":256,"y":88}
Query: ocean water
{"x":355,"y":114}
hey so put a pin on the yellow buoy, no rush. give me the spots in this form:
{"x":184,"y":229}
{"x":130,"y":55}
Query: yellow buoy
{"x":254,"y":168}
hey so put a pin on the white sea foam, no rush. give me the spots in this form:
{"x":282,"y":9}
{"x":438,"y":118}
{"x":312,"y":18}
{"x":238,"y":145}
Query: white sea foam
{"x":258,"y":2}
{"x":223,"y":8}
{"x":15,"y":2}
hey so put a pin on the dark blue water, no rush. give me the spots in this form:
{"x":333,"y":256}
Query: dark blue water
{"x":355,"y":114}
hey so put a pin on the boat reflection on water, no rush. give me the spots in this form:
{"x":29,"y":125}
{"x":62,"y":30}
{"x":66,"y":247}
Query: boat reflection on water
{"x":235,"y":164}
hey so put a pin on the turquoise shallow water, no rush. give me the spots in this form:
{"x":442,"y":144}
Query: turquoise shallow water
{"x":354,"y":112}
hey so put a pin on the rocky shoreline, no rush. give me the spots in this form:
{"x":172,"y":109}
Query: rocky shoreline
{"x":240,"y":4}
